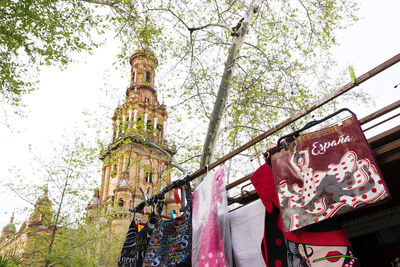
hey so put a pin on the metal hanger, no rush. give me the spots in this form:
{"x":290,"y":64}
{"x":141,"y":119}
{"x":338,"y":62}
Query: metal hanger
{"x":282,"y":142}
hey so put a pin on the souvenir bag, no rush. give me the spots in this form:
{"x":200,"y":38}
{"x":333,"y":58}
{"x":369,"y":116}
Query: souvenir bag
{"x":127,"y":255}
{"x":171,"y":241}
{"x":136,"y":242}
{"x":212,"y":242}
{"x":142,"y":240}
{"x":324,"y":244}
{"x":326,"y":173}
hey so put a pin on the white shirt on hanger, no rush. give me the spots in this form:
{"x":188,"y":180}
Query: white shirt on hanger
{"x":247,"y":224}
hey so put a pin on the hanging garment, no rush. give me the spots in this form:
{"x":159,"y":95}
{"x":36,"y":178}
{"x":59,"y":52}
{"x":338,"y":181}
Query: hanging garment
{"x":323,"y":244}
{"x":326,"y":173}
{"x":320,"y":246}
{"x":136,"y":242}
{"x":247,"y":224}
{"x":127,"y":256}
{"x":142,"y":240}
{"x":211,"y":243}
{"x":171,"y":241}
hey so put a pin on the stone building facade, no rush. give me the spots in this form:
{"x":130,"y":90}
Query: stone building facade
{"x":138,"y":158}
{"x":37,"y":226}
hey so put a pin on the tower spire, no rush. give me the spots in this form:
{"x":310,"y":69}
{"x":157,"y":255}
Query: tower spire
{"x":143,"y":65}
{"x":141,"y":114}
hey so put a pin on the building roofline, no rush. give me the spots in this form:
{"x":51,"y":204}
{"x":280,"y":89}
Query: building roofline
{"x":145,"y":53}
{"x":138,"y":139}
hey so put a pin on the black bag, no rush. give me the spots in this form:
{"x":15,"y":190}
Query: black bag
{"x":127,"y":256}
{"x":136,"y":243}
{"x":171,"y":242}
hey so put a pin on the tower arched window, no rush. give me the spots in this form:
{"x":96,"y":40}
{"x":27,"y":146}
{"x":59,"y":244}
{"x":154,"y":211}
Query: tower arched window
{"x":149,"y":125}
{"x":135,"y":73}
{"x":159,"y":128}
{"x":149,"y":177}
{"x":148,"y":76}
{"x":139,"y":122}
{"x":120,"y":202}
{"x":114,"y":170}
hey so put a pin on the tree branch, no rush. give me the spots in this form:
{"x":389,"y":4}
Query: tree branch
{"x":207,"y":26}
{"x":151,"y":144}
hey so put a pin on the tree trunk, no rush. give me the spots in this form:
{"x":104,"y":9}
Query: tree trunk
{"x":56,"y":224}
{"x":224,"y":87}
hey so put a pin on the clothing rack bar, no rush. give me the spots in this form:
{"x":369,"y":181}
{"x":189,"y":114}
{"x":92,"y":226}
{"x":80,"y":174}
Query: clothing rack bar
{"x":364,"y":120}
{"x":238,"y":182}
{"x":371,"y":73}
{"x":381,"y":122}
{"x":380,"y":112}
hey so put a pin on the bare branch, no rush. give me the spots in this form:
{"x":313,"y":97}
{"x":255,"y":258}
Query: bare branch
{"x":189,"y":159}
{"x":310,"y":21}
{"x":208,"y":26}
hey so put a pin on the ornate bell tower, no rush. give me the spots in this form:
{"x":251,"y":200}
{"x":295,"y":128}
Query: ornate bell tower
{"x":41,"y":216}
{"x":8,"y":230}
{"x":138,"y":156}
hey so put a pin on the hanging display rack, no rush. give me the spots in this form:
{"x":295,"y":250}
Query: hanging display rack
{"x":317,"y":104}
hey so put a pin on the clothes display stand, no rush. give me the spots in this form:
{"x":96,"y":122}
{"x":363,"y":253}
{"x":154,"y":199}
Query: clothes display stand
{"x":296,"y":242}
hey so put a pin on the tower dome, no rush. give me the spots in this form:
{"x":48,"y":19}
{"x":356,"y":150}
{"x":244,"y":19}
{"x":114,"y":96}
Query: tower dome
{"x":143,"y":65}
{"x":44,"y":200}
{"x":93,"y":205}
{"x":41,"y":215}
{"x":9,"y":230}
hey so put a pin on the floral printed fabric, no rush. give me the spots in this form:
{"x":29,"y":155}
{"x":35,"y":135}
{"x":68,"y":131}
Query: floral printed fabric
{"x":211,"y":232}
{"x":171,"y":242}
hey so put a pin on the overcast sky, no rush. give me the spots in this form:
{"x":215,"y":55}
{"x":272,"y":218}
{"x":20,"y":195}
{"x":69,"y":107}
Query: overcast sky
{"x":64,"y":95}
